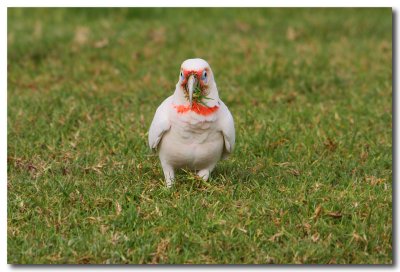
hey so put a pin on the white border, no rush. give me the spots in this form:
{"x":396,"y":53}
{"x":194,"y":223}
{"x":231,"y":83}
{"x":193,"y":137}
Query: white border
{"x":175,"y":3}
{"x":201,"y":3}
{"x":3,"y":137}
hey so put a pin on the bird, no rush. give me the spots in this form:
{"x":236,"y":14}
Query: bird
{"x":192,"y":129}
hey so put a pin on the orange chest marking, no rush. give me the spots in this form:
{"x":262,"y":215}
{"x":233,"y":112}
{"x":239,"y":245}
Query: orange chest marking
{"x":197,"y":108}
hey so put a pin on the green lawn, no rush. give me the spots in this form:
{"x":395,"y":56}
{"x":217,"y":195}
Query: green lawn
{"x":310,"y":180}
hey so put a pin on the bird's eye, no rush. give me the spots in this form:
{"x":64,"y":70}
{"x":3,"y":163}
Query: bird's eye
{"x":181,"y":76}
{"x":204,"y":76}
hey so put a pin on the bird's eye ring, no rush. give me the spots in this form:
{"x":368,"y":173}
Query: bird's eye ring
{"x":181,"y":75}
{"x":204,"y":75}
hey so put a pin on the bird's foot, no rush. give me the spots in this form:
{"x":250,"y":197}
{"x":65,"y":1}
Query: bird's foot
{"x":169,"y":183}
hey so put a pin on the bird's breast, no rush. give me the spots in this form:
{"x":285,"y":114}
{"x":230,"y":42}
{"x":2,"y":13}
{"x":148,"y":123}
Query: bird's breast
{"x":193,"y":127}
{"x":193,"y":140}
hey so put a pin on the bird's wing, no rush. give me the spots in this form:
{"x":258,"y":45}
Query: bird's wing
{"x":227,"y":126}
{"x":160,"y":124}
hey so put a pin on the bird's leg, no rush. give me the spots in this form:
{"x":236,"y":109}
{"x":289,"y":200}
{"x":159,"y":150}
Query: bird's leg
{"x":168,"y":173}
{"x":204,"y":174}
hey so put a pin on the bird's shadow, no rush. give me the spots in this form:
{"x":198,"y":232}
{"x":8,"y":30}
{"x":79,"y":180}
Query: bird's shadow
{"x":228,"y":173}
{"x":225,"y":174}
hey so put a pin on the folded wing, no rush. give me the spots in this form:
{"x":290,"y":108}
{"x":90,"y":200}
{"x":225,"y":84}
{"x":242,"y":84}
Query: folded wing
{"x":227,"y":127}
{"x":160,"y":124}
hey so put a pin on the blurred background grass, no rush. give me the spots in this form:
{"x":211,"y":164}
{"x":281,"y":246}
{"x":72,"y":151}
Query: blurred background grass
{"x":310,"y":181}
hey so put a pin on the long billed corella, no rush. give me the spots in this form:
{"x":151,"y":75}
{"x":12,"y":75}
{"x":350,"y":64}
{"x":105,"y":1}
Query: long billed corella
{"x":192,"y":128}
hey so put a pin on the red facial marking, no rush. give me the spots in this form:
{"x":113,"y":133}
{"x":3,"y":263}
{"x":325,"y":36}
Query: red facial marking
{"x":197,"y":108}
{"x":188,"y":73}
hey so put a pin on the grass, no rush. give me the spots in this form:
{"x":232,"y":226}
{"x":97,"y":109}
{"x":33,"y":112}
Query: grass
{"x":310,"y":180}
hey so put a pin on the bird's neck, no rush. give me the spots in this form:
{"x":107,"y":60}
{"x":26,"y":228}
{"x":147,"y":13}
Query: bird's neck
{"x":197,"y":108}
{"x":205,"y":107}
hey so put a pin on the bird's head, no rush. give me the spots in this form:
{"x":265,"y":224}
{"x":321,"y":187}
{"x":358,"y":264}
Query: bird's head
{"x":196,"y":82}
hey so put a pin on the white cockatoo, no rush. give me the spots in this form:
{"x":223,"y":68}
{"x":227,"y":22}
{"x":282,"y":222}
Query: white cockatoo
{"x":192,"y":128}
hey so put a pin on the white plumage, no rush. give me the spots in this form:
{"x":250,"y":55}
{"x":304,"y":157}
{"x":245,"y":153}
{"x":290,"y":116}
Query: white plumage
{"x":192,"y":131}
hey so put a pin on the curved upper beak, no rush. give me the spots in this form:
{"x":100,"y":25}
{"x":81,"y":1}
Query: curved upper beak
{"x":191,"y":84}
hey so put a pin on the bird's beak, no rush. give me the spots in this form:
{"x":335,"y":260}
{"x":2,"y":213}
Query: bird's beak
{"x":191,"y":84}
